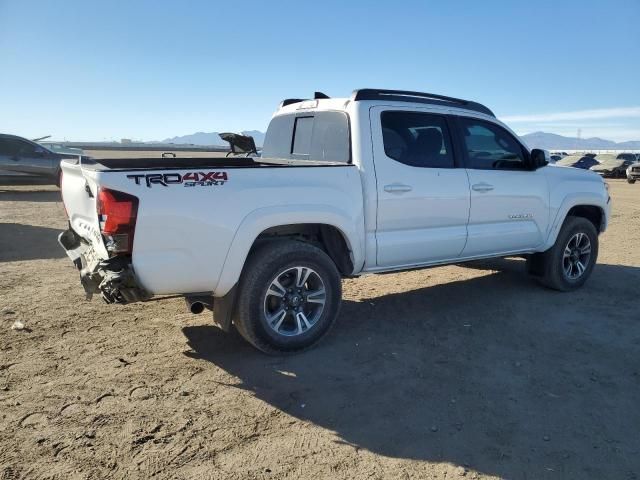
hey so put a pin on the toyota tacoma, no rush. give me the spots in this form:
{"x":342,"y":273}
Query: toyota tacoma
{"x":381,"y":181}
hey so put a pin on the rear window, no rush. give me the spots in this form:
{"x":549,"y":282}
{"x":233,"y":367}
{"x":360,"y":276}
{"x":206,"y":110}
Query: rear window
{"x":319,"y":136}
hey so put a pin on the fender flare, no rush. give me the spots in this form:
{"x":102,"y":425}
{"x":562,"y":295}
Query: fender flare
{"x":261,"y":219}
{"x":570,"y":201}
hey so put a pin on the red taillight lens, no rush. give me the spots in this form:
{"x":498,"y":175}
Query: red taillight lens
{"x":117,"y":212}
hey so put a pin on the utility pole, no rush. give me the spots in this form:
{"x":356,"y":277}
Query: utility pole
{"x":578,"y":137}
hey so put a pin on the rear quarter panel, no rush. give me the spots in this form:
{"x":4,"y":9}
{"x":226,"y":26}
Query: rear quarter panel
{"x":184,"y":235}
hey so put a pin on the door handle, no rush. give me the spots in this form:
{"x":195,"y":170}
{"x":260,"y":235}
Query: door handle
{"x":397,"y":188}
{"x":482,"y":187}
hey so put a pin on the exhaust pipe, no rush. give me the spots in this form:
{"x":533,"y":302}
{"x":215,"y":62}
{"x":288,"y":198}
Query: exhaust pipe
{"x":197,"y":303}
{"x":196,"y":307}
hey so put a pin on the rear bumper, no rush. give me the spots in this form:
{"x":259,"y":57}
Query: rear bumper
{"x":113,"y":278}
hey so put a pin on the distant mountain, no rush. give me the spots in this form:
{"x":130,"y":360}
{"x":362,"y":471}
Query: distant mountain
{"x":212,"y":138}
{"x":551,"y":141}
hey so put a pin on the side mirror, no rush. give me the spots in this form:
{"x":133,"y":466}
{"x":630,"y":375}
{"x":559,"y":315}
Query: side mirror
{"x":539,"y":158}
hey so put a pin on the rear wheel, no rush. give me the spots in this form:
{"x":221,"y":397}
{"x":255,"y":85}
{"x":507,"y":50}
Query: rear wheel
{"x":569,"y":263}
{"x":289,"y":297}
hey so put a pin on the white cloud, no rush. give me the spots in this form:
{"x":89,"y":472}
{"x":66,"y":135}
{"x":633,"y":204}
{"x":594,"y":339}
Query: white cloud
{"x":595,"y":114}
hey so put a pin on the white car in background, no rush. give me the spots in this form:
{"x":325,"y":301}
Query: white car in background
{"x":633,"y":172}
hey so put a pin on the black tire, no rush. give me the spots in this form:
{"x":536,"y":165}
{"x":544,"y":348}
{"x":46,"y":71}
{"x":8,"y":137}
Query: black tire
{"x":550,"y":266}
{"x":273,"y":260}
{"x":631,"y":180}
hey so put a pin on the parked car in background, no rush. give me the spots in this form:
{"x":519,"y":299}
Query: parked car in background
{"x":553,"y":158}
{"x":25,"y":158}
{"x":577,"y":161}
{"x":633,"y":172}
{"x":610,"y":166}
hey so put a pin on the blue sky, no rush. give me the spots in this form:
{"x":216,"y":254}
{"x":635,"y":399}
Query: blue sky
{"x":100,"y":70}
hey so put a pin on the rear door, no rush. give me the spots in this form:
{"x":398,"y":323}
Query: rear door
{"x":509,"y":201}
{"x":423,"y":194}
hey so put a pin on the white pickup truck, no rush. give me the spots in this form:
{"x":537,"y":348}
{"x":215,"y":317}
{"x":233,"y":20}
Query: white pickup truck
{"x":385,"y":180}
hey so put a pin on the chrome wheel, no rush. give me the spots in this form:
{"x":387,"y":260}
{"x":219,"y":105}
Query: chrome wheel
{"x":294,"y":301}
{"x":576,"y":256}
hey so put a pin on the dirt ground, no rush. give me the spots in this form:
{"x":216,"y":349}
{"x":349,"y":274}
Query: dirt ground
{"x":453,"y":372}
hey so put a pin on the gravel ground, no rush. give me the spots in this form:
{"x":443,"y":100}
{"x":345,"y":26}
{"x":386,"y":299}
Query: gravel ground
{"x":471,"y":371}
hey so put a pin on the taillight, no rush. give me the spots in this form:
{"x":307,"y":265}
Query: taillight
{"x":117,"y":212}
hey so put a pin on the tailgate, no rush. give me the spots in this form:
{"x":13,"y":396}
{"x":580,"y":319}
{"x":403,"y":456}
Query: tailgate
{"x":79,"y":194}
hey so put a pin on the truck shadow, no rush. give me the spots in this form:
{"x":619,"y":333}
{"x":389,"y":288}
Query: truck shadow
{"x":491,"y":373}
{"x":28,"y":242}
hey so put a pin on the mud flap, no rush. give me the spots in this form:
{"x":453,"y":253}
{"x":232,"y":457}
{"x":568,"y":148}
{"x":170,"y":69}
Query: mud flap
{"x":223,"y":308}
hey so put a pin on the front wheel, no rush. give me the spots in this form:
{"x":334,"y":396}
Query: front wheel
{"x":569,"y":263}
{"x":289,"y":297}
{"x":631,"y":180}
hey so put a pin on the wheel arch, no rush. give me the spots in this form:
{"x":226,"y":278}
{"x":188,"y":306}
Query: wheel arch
{"x":588,"y":208}
{"x":325,"y":226}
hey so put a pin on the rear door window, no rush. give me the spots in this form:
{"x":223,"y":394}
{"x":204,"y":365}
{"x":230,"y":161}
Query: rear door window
{"x":10,"y":146}
{"x":417,"y":139}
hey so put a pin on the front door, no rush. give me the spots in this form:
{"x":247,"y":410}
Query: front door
{"x":423,"y":195}
{"x":509,"y":200}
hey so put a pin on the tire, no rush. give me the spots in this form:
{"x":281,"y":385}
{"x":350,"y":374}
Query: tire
{"x":289,"y":297}
{"x":560,"y":272}
{"x":631,"y":180}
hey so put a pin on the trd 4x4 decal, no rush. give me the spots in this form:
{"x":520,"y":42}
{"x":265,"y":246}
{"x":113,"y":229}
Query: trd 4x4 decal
{"x":190,"y":179}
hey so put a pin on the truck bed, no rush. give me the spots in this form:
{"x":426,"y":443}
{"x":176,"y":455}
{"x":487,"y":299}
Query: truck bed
{"x":197,"y":227}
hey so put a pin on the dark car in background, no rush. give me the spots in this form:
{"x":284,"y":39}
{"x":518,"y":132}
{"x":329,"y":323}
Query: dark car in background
{"x":22,"y":158}
{"x":612,"y":165}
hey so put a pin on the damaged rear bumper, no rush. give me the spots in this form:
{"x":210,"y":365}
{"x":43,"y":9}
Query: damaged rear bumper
{"x":113,"y":278}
